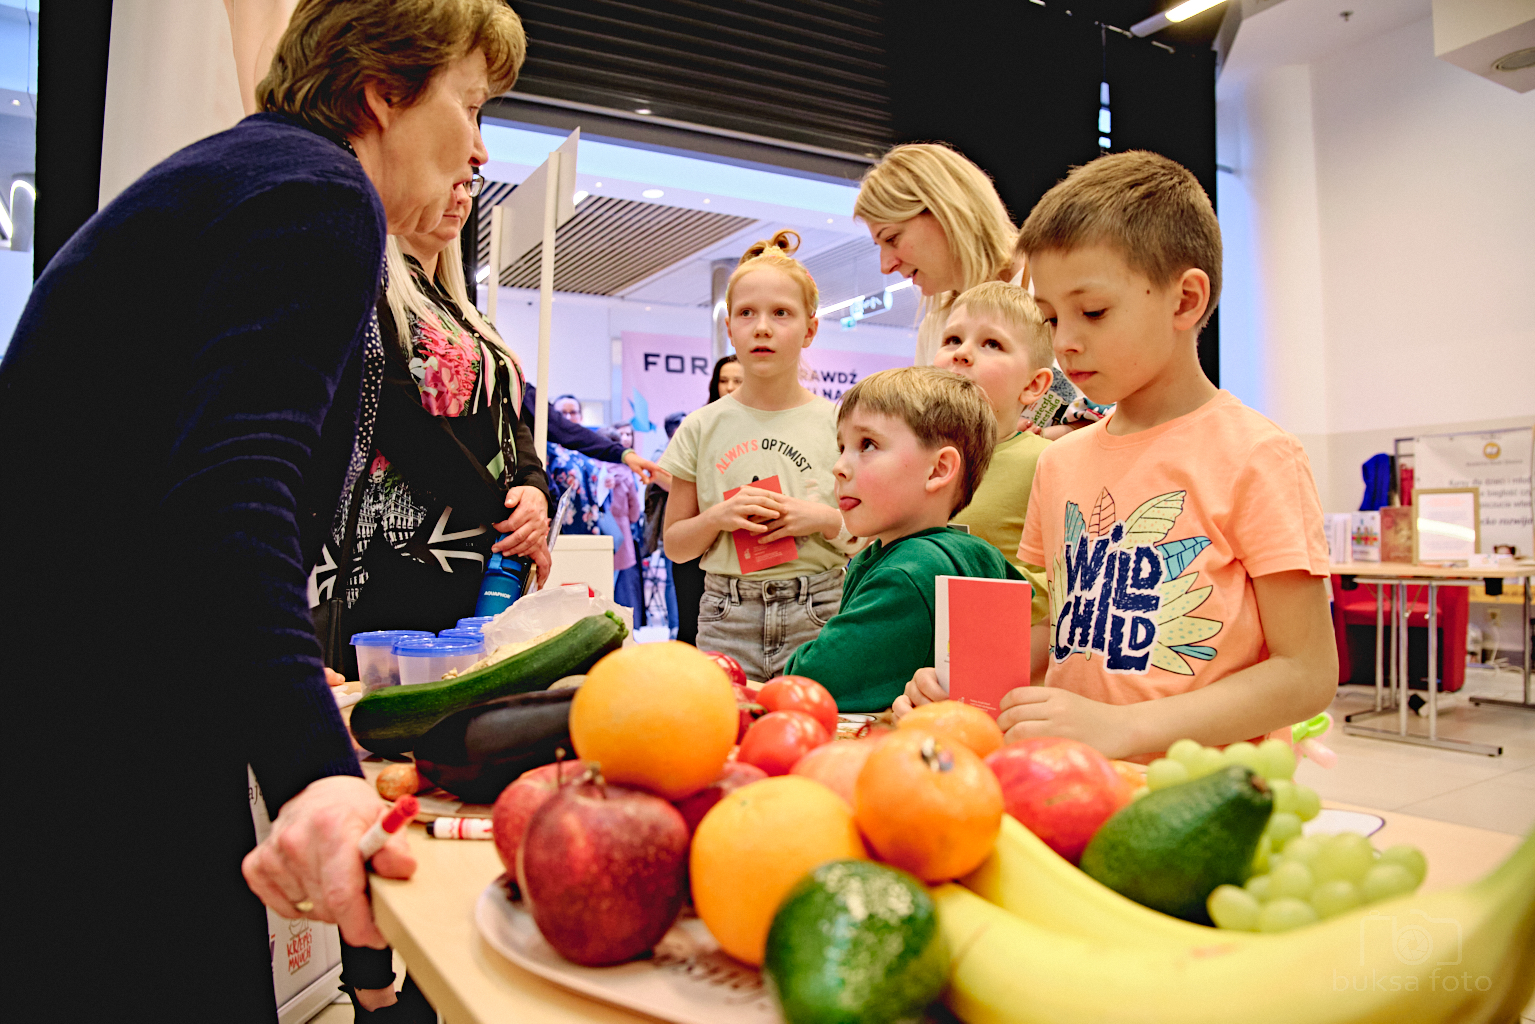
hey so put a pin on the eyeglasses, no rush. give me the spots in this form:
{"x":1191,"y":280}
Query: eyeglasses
{"x":476,"y":184}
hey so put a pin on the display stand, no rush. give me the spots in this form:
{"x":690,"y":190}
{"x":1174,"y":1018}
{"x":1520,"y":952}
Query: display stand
{"x":1399,"y":576}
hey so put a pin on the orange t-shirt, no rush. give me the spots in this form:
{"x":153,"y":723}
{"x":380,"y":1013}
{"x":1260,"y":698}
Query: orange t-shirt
{"x":1151,"y":541}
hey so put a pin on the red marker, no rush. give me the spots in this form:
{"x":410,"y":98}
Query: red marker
{"x":394,"y":819}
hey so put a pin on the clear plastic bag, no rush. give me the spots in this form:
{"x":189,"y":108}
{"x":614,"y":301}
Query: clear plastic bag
{"x":549,"y":609}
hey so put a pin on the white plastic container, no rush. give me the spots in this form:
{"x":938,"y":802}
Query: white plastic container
{"x":376,"y":663}
{"x":427,"y":659}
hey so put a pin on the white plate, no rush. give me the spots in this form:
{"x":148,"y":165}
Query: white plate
{"x":687,"y":980}
{"x":1329,"y":822}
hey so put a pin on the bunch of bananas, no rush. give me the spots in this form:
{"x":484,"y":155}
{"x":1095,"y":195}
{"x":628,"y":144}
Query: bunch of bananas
{"x":1036,"y":941}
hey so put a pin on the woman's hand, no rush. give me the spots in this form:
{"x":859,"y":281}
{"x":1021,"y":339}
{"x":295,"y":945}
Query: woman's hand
{"x":801,"y":518}
{"x":924,"y":688}
{"x":311,"y":858}
{"x":528,"y":525}
{"x":1031,"y":711}
{"x":745,"y":509}
{"x":649,"y":472}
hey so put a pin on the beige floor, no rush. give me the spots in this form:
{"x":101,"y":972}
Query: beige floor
{"x":1496,"y":793}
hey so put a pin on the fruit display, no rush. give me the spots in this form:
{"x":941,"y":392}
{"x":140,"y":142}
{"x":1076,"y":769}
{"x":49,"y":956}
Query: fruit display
{"x":928,"y":805}
{"x":755,"y":845}
{"x":796,"y":693}
{"x":856,"y":942}
{"x":661,"y":717}
{"x":777,"y":740}
{"x":1311,"y":878}
{"x":961,"y":722}
{"x":512,"y":810}
{"x":732,"y":777}
{"x":1465,"y":955}
{"x":603,"y":870}
{"x":476,"y":753}
{"x":1062,"y":790}
{"x":836,"y":765}
{"x":390,"y":721}
{"x":1170,"y":849}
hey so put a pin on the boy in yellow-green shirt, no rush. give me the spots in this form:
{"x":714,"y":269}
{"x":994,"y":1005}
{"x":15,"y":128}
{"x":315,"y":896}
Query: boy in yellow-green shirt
{"x":996,"y":337}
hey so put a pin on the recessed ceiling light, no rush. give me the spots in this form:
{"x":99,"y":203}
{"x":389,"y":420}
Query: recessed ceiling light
{"x":828,"y":220}
{"x":652,"y":193}
{"x":642,"y":110}
{"x":597,"y":185}
{"x":706,"y":202}
{"x":15,"y":103}
{"x":575,"y":200}
{"x":1516,"y":61}
{"x":647,"y":309}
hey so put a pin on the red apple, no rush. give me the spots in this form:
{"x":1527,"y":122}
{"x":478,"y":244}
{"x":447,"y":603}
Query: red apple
{"x":780,"y":738}
{"x":733,"y":776}
{"x":732,"y":667}
{"x":836,"y":765}
{"x":1060,"y":789}
{"x":604,"y":871}
{"x":517,"y":802}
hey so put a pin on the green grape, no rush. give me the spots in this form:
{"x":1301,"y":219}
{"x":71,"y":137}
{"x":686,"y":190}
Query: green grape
{"x":1335,"y":897}
{"x":1184,"y":752}
{"x":1258,"y":887}
{"x":1345,"y":856}
{"x":1283,"y":827}
{"x":1292,"y":878}
{"x":1409,"y":857}
{"x":1307,"y":803}
{"x":1278,"y":760}
{"x":1246,"y":755}
{"x":1207,"y":762}
{"x":1164,"y":772}
{"x":1303,"y":849}
{"x":1260,"y":864}
{"x":1384,"y":881}
{"x":1284,"y":914}
{"x":1142,"y":791}
{"x":1233,"y":908}
{"x":1284,"y":795}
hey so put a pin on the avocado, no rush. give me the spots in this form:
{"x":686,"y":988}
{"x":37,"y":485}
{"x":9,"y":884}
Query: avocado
{"x":1170,"y":849}
{"x":856,"y":942}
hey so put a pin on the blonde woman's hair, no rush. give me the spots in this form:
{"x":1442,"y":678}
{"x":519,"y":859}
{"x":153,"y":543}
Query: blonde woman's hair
{"x":1152,"y":209}
{"x":406,"y":299}
{"x":941,"y":408}
{"x":778,"y":252}
{"x":925,"y":177}
{"x":332,"y":48}
{"x":1015,"y":307}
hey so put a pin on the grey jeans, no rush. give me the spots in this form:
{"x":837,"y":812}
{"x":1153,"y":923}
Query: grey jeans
{"x":760,"y":623}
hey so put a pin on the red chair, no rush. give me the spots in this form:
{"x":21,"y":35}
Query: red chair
{"x":1353,"y":616}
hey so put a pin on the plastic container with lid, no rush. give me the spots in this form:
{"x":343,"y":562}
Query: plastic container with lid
{"x":426,"y":659}
{"x":476,"y":621}
{"x":466,"y":634}
{"x":376,"y":663}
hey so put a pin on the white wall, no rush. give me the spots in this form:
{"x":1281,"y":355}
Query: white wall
{"x":1378,"y":220}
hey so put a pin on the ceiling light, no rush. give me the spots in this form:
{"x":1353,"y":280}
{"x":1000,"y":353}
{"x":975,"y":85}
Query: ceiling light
{"x":15,"y":103}
{"x":706,"y":202}
{"x":828,"y":220}
{"x":1182,"y":12}
{"x":642,"y":110}
{"x":482,"y":275}
{"x":1516,"y":61}
{"x":575,"y":200}
{"x":597,"y":185}
{"x":652,"y":193}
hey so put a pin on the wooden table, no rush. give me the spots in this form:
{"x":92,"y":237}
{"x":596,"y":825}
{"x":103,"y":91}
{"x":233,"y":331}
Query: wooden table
{"x":430,"y":921}
{"x":1399,"y":575}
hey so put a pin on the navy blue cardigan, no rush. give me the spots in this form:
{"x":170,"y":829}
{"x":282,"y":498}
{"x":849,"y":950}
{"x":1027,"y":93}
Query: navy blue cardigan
{"x":177,"y":408}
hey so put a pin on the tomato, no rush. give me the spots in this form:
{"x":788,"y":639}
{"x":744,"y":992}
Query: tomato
{"x":796,"y":693}
{"x":778,"y":739}
{"x":732,"y":668}
{"x":746,"y":702}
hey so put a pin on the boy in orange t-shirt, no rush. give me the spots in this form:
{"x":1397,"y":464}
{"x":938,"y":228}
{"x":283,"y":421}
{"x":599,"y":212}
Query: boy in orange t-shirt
{"x":1182,"y":536}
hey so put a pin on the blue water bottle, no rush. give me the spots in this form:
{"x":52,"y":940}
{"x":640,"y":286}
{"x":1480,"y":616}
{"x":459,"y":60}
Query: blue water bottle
{"x":506,"y":579}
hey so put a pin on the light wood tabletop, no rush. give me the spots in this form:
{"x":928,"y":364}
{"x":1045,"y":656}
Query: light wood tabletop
{"x":1406,"y":570}
{"x":430,"y":921}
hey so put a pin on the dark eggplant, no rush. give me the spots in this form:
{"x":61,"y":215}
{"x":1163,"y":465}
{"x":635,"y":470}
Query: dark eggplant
{"x":476,"y":753}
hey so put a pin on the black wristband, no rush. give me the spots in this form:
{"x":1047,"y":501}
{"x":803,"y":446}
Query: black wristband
{"x":365,"y":967}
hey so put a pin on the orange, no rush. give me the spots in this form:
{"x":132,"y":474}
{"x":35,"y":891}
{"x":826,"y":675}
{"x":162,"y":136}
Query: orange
{"x":1134,"y":776}
{"x":928,"y":805}
{"x":961,"y":722}
{"x":754,"y":845}
{"x":661,"y":717}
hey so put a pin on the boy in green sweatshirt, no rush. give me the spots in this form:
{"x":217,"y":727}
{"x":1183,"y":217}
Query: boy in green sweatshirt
{"x":914,"y":443}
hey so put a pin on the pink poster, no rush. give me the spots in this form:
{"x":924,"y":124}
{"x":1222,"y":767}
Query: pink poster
{"x":833,"y":371}
{"x":662,"y":374}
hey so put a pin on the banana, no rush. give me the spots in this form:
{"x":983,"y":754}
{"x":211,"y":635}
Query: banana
{"x":1465,"y":955}
{"x":1025,"y":876}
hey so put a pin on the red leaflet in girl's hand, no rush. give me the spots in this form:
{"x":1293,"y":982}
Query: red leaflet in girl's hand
{"x":751,"y":552}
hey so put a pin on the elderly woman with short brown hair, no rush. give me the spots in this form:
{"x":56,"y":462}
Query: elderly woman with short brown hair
{"x":186,"y":401}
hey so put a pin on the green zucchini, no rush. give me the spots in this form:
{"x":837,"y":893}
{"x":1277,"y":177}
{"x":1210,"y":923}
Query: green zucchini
{"x":389,"y":721}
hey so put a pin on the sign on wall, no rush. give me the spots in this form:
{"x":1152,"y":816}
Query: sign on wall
{"x":1498,"y":464}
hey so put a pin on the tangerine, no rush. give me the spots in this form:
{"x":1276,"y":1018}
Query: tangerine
{"x":754,"y":845}
{"x":661,"y":716}
{"x":927,"y":804}
{"x":961,"y":722}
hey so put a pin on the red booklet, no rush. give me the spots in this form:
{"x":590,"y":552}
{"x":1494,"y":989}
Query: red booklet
{"x":751,"y":552}
{"x":981,"y":638}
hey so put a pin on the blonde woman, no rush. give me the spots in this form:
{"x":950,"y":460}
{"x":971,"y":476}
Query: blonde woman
{"x":939,"y":223}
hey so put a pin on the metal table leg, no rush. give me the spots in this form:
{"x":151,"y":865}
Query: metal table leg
{"x":1381,"y":707}
{"x":1524,"y":646}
